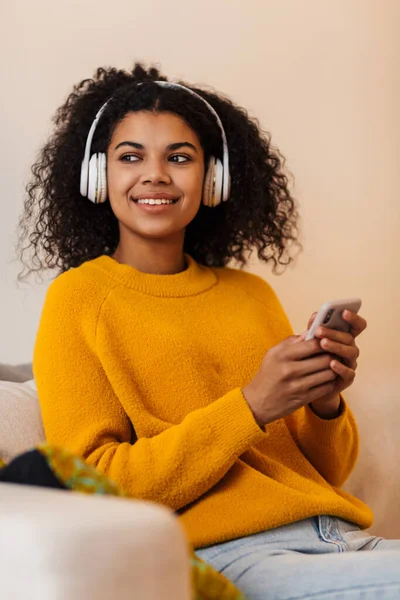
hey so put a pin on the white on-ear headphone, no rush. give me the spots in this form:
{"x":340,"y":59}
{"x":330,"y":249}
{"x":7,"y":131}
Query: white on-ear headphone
{"x":217,"y":182}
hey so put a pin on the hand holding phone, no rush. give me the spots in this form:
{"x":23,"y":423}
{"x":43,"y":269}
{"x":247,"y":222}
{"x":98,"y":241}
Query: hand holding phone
{"x":293,"y":373}
{"x":330,"y":315}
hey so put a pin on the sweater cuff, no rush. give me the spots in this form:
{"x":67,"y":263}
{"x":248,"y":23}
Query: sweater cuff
{"x":232,"y":417}
{"x":326,"y":431}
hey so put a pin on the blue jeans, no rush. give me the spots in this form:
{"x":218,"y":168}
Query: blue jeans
{"x":322,"y":557}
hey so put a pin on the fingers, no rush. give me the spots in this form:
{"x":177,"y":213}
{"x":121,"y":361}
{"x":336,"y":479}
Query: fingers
{"x":358,"y":324}
{"x":348,"y":353}
{"x":311,"y":365}
{"x":316,"y":379}
{"x":321,"y":391}
{"x":299,"y":349}
{"x":336,"y":336}
{"x":346,"y":373}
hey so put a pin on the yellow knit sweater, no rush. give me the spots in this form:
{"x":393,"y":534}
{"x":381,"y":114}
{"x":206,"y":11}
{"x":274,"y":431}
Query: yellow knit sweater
{"x":141,"y":375}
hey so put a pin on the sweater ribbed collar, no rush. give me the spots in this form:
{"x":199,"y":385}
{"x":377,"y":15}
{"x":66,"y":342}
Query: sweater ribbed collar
{"x":196,"y":278}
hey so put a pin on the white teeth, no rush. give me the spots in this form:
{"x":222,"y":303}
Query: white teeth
{"x":154,"y":201}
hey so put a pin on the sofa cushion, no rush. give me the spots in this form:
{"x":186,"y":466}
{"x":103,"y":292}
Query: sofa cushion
{"x":18,"y":373}
{"x":20,"y":420}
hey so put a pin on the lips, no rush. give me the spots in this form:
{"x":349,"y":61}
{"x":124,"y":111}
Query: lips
{"x":155,"y":196}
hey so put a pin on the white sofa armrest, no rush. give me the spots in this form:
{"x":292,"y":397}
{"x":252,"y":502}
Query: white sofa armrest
{"x":61,"y":545}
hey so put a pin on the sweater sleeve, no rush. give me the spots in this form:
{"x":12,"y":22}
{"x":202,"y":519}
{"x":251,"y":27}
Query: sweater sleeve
{"x":330,"y":445}
{"x":82,"y":413}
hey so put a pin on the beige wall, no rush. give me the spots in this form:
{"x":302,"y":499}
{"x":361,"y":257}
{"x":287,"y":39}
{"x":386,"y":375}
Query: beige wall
{"x":322,"y":76}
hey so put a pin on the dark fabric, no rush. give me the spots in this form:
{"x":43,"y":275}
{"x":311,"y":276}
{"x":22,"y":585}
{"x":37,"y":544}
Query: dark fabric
{"x":30,"y":468}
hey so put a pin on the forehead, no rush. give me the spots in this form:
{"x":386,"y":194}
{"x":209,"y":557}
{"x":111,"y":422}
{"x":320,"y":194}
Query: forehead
{"x":150,"y":128}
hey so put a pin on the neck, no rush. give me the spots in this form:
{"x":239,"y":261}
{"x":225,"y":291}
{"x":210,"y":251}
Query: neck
{"x":152,"y":256}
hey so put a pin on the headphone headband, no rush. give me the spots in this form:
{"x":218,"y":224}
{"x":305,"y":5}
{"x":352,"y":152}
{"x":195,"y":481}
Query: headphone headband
{"x":225,"y":159}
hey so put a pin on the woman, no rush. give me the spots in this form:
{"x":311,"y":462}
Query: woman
{"x":176,"y":376}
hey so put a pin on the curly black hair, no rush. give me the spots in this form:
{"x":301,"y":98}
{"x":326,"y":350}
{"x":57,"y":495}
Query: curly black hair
{"x":62,"y":230}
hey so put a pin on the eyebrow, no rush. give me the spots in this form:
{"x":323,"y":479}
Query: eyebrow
{"x":175,"y":146}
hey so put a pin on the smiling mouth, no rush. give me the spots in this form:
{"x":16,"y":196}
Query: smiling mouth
{"x":155,"y":201}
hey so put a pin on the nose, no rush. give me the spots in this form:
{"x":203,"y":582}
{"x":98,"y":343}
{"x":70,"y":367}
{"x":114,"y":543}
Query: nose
{"x":155,"y":172}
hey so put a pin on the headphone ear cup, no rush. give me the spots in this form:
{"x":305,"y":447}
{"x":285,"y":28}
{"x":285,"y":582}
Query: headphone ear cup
{"x":219,"y":176}
{"x":84,"y":178}
{"x":101,"y":178}
{"x":93,"y":178}
{"x":209,"y":182}
{"x":226,"y":185}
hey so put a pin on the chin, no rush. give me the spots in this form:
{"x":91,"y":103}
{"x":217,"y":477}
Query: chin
{"x":154,"y":232}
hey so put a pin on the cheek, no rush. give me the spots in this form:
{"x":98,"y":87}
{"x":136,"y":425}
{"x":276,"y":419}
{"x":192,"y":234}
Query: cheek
{"x":192,"y":184}
{"x":119,"y":180}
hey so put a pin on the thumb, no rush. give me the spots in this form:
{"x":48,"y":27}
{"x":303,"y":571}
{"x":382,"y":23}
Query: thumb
{"x":311,"y":320}
{"x":293,"y":339}
{"x":302,"y":337}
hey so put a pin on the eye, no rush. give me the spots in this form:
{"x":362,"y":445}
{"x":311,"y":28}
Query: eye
{"x":180,"y":158}
{"x":129,"y":158}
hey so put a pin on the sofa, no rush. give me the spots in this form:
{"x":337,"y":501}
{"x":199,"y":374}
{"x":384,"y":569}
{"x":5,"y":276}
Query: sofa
{"x":57,"y":545}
